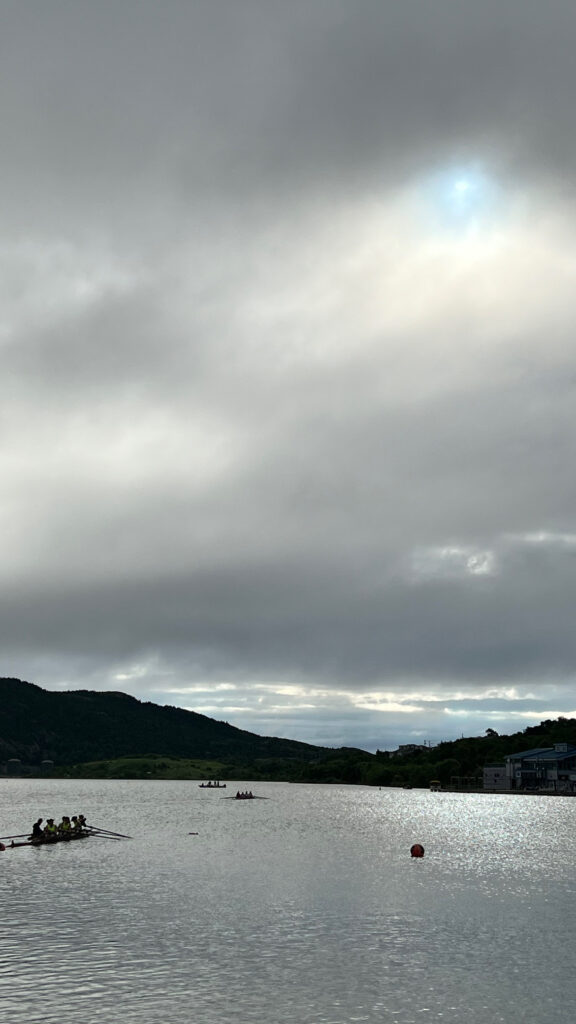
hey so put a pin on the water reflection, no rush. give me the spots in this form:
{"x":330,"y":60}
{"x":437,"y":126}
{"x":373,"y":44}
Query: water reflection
{"x":306,"y":907}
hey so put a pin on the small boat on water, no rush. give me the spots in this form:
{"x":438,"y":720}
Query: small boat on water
{"x":246,"y":796}
{"x":212,"y":785}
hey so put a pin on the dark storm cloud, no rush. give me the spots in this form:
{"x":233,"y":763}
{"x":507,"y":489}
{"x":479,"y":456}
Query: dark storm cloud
{"x":113,"y":103}
{"x":310,"y":622}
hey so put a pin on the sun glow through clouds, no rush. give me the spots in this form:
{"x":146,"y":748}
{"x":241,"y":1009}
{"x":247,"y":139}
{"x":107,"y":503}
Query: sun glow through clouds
{"x":464,"y":201}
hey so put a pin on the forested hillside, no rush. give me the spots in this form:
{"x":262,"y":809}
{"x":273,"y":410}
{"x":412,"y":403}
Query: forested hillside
{"x":82,"y":725}
{"x":112,"y":734}
{"x":464,"y":759}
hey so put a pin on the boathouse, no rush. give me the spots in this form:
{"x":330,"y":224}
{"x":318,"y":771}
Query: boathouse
{"x":543,"y":769}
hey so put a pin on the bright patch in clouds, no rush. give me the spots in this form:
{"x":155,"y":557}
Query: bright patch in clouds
{"x":465,"y":200}
{"x":452,"y":562}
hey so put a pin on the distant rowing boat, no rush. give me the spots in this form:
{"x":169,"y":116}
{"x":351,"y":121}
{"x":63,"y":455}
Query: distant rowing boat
{"x":246,"y":796}
{"x":212,"y":785}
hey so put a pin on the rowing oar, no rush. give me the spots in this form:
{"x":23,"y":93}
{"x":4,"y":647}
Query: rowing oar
{"x":106,"y":831}
{"x":116,"y":839}
{"x":23,"y":836}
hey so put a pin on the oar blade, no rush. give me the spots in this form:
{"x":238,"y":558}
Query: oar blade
{"x":106,"y":831}
{"x":97,"y":835}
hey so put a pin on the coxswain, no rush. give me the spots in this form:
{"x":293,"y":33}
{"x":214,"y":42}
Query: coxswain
{"x":37,"y":832}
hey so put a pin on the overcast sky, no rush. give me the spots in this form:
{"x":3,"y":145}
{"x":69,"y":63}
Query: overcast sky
{"x":288,"y":350}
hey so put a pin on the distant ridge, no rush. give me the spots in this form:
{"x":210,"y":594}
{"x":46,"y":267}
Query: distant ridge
{"x":84,"y":725}
{"x":88,"y":733}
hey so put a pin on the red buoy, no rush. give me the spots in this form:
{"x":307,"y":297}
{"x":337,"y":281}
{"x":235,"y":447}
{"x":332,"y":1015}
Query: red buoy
{"x":417,"y":850}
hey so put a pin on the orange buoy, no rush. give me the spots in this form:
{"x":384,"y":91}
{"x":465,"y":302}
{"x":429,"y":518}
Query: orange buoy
{"x":417,"y":850}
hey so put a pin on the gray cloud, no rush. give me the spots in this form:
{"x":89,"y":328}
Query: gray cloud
{"x":288,"y":360}
{"x":114,"y":104}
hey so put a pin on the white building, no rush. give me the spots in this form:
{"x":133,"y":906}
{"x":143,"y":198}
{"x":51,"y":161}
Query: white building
{"x":408,"y":748}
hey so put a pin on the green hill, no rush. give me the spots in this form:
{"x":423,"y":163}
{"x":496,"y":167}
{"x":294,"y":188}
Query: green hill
{"x":84,"y":726}
{"x":459,"y":763}
{"x":113,"y":735}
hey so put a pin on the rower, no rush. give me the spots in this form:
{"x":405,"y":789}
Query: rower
{"x":37,"y":829}
{"x":50,"y":828}
{"x":65,"y":827}
{"x":75,"y":824}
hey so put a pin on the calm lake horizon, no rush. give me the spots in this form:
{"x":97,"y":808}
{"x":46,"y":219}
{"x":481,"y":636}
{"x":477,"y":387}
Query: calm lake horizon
{"x":302,"y":908}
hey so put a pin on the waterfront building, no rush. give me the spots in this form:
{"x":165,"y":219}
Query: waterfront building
{"x":543,"y":769}
{"x":494,"y":778}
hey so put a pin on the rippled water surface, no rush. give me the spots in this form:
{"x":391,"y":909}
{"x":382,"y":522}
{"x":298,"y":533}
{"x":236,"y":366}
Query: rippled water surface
{"x":304,"y":907}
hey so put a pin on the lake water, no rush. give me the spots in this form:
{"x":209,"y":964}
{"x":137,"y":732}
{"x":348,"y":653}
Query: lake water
{"x":304,"y":907}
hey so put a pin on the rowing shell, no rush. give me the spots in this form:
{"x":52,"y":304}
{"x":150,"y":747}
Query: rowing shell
{"x":47,"y":842}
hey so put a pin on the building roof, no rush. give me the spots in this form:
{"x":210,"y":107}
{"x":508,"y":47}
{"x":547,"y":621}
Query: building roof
{"x":557,"y":755}
{"x":535,"y":752}
{"x":542,"y":754}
